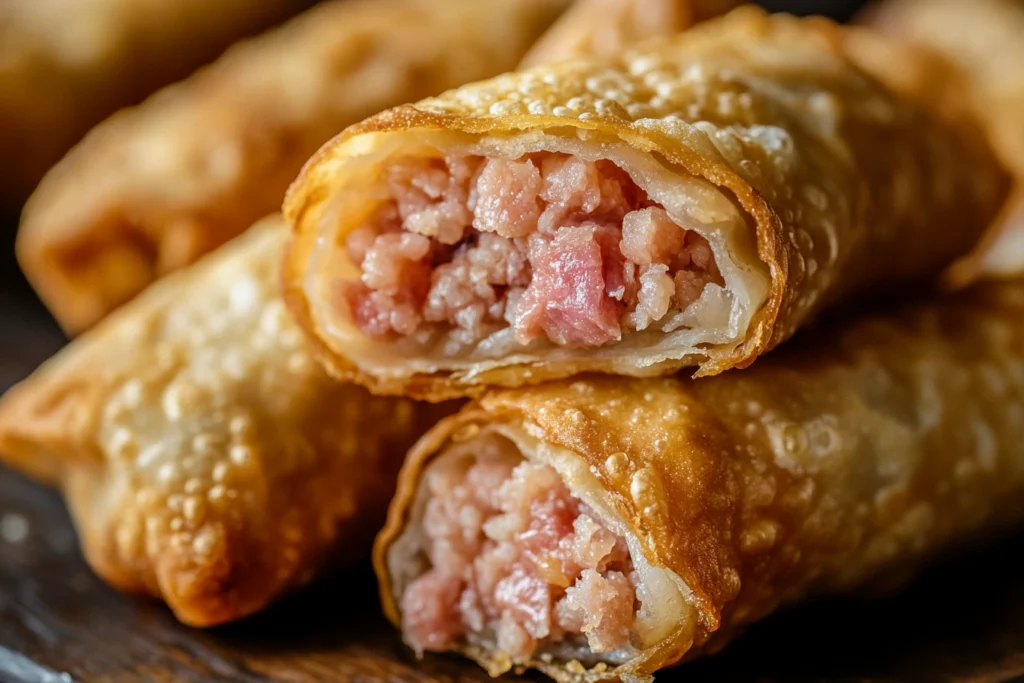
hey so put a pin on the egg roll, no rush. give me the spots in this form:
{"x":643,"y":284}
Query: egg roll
{"x":206,"y":458}
{"x":610,"y":527}
{"x":689,"y":202}
{"x":155,"y":187}
{"x":984,"y":39}
{"x":65,"y":66}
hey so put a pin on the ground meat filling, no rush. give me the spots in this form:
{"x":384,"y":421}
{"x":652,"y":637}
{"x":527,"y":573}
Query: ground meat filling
{"x":515,"y":560}
{"x":548,"y":244}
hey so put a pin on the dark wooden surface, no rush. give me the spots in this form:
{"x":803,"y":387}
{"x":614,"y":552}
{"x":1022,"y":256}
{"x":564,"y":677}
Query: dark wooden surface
{"x":962,"y":621}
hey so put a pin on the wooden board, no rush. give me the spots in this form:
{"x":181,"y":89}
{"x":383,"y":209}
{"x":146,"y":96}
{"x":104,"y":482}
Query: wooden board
{"x":962,"y":621}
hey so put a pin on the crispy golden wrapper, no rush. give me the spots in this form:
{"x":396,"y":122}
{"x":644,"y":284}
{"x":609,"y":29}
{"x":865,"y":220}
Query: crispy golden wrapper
{"x":604,"y":27}
{"x":983,"y":38}
{"x":855,"y":453}
{"x":205,"y":456}
{"x":810,"y":180}
{"x":159,"y":185}
{"x":65,"y":66}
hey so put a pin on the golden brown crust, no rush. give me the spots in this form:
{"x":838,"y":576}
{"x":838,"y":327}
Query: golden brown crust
{"x":157,"y":186}
{"x":857,"y":451}
{"x":849,"y":189}
{"x":66,"y":66}
{"x":205,"y":456}
{"x":984,"y":39}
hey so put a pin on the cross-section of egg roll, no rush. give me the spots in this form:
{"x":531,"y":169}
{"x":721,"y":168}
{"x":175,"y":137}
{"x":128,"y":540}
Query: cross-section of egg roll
{"x":65,"y":66}
{"x":610,"y":527}
{"x":154,"y":187}
{"x":690,"y":202}
{"x":604,"y":27}
{"x":205,"y":456}
{"x":984,"y":38}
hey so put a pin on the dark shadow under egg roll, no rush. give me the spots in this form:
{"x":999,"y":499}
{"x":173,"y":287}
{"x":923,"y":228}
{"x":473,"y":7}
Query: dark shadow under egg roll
{"x":690,"y":202}
{"x":611,"y":527}
{"x":205,"y":456}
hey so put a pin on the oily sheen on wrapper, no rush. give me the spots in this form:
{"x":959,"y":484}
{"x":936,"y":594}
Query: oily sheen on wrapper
{"x":854,"y":453}
{"x":206,"y":458}
{"x":158,"y":185}
{"x":810,"y":181}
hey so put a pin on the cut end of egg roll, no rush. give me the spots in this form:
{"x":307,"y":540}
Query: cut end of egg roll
{"x":638,"y":214}
{"x":562,"y":250}
{"x":512,"y":555}
{"x":206,"y":458}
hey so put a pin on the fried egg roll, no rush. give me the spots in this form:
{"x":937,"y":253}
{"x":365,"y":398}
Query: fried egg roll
{"x":610,"y":527}
{"x":155,"y":187}
{"x":205,"y":457}
{"x":984,"y":39}
{"x":65,"y":66}
{"x":692,"y":201}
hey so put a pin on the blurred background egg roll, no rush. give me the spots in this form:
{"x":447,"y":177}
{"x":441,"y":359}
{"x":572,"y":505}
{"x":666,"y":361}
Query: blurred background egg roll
{"x":604,"y":27}
{"x":65,"y":66}
{"x":986,"y":39}
{"x":156,"y":186}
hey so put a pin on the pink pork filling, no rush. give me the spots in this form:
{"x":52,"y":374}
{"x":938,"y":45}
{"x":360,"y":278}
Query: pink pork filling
{"x":548,"y":244}
{"x":517,"y":561}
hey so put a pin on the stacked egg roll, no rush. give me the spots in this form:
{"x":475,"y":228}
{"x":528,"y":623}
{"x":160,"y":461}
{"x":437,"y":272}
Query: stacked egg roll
{"x":611,"y":527}
{"x":204,"y":455}
{"x":67,"y":65}
{"x":689,"y":202}
{"x":983,"y":38}
{"x":154,"y":187}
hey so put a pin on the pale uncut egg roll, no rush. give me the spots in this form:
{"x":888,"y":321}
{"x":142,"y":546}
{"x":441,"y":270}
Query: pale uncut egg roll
{"x":691,"y":202}
{"x":65,"y":66}
{"x":604,"y":27}
{"x":610,"y":527}
{"x":986,"y":39}
{"x":156,"y":186}
{"x":206,"y":458}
